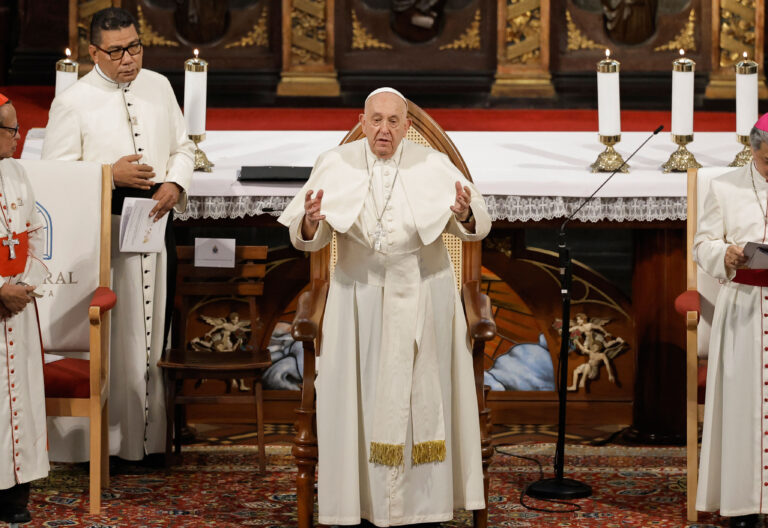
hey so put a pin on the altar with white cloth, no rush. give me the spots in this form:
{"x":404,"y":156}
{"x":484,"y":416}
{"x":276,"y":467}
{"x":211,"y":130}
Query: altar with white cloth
{"x":525,"y":176}
{"x":529,"y":179}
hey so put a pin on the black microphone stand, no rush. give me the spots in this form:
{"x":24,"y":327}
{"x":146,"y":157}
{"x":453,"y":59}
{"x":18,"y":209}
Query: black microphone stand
{"x":561,"y":487}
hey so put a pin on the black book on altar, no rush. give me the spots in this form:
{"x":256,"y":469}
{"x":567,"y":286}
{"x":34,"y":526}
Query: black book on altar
{"x":273,"y":173}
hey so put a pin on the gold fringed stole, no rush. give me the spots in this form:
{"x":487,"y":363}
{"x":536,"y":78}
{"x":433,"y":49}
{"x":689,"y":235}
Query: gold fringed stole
{"x":386,"y":454}
{"x":392,"y":454}
{"x":431,"y":451}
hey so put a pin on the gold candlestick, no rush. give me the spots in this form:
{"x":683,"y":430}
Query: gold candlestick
{"x":745,"y":156}
{"x":609,"y":160}
{"x":681,"y":160}
{"x":201,"y":160}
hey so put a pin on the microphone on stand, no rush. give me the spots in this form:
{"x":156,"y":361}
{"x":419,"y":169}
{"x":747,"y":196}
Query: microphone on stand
{"x":560,"y":487}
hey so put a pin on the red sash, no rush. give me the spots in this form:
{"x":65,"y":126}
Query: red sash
{"x":10,"y":267}
{"x":747,"y":276}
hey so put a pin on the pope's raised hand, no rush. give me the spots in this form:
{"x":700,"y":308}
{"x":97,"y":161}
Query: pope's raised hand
{"x":461,"y":206}
{"x":312,"y":214}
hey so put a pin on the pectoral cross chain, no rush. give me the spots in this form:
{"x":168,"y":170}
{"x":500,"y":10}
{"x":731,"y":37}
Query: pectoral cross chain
{"x":10,"y":242}
{"x":378,"y":236}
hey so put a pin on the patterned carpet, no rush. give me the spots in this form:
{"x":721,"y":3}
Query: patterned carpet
{"x":220,"y":486}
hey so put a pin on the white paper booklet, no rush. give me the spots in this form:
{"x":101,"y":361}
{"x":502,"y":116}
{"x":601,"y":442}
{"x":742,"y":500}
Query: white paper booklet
{"x":138,"y":232}
{"x":757,"y":255}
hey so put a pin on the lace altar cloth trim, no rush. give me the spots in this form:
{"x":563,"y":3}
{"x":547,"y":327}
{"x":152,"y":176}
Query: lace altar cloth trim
{"x":512,"y":208}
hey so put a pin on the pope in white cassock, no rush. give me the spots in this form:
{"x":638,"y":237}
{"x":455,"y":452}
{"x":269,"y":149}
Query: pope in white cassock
{"x":122,"y":114}
{"x":397,"y":421}
{"x":23,"y":447}
{"x":734,"y":448}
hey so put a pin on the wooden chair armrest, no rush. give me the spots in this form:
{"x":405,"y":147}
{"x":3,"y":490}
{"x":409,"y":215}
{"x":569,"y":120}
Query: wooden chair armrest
{"x":688,"y":301}
{"x":477,"y":306}
{"x":309,"y":312}
{"x":104,"y":299}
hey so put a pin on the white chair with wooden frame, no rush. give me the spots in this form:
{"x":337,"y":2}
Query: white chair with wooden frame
{"x":74,"y":309}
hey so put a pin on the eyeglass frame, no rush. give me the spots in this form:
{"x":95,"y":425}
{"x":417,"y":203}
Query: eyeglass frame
{"x":122,"y":50}
{"x":15,"y":129}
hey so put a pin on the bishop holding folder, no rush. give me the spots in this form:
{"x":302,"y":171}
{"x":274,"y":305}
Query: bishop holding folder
{"x":122,"y":114}
{"x":734,"y":448}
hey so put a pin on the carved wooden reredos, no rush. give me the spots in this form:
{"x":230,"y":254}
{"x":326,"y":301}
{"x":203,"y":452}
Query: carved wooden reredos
{"x":510,"y":47}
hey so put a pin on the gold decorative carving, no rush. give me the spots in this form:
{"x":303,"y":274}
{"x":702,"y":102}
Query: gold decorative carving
{"x":362,"y":39}
{"x":523,"y":30}
{"x":576,"y":39}
{"x":737,"y":30}
{"x":85,"y":11}
{"x":470,"y":39}
{"x":258,"y":36}
{"x":684,"y":40}
{"x":308,"y":32}
{"x":149,"y":37}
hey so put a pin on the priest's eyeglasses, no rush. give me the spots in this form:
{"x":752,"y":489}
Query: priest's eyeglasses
{"x":12,"y":130}
{"x":118,"y":53}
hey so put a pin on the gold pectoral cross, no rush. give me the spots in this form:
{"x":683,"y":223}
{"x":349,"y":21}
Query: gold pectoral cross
{"x":10,"y":242}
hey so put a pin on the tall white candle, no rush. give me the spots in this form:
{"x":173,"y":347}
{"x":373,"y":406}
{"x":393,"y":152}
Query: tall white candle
{"x":746,"y":96}
{"x":195,"y":87}
{"x":66,"y":73}
{"x":608,"y":102}
{"x":682,"y":95}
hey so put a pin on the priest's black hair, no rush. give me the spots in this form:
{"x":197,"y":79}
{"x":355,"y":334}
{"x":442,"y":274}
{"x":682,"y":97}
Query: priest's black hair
{"x":110,"y":19}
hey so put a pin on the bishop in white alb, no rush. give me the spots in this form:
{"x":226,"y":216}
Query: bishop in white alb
{"x":97,"y":119}
{"x":734,"y":450}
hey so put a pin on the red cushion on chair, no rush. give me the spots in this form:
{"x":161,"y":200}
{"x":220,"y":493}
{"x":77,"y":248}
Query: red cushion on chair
{"x":702,"y":381}
{"x":104,"y":298}
{"x":688,"y":301}
{"x":67,"y":378}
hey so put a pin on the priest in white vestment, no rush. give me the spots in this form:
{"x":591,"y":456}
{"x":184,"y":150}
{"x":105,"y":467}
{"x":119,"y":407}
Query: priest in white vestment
{"x":22,"y":396}
{"x":397,"y":421}
{"x":734,"y":449}
{"x":122,"y":114}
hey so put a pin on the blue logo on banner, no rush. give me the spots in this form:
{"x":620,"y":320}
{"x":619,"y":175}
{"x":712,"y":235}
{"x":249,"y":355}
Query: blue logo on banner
{"x":47,"y":231}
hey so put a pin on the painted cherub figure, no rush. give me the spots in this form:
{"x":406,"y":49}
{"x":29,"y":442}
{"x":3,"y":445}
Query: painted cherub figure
{"x":590,"y":337}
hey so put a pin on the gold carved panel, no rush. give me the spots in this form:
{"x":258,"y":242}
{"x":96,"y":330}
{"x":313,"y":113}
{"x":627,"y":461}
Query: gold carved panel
{"x":737,"y":30}
{"x":308,"y":32}
{"x":523,"y":31}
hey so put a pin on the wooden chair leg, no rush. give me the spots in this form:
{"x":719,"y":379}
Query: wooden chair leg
{"x":105,"y":445}
{"x":95,"y":457}
{"x":305,"y":442}
{"x":170,"y":397}
{"x":692,"y":417}
{"x":178,"y":423}
{"x":260,"y":423}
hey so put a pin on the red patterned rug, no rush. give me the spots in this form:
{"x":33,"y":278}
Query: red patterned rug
{"x":221,"y":486}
